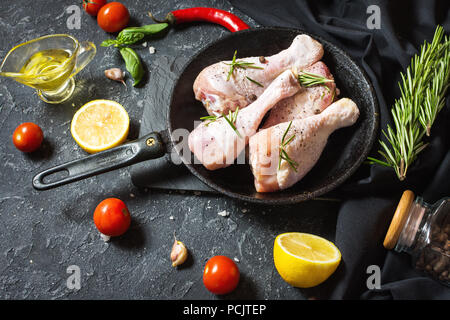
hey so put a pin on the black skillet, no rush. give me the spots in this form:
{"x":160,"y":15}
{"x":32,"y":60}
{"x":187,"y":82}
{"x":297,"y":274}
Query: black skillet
{"x":345,"y":151}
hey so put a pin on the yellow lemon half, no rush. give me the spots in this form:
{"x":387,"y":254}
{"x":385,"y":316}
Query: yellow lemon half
{"x":304,"y":260}
{"x":100,"y":125}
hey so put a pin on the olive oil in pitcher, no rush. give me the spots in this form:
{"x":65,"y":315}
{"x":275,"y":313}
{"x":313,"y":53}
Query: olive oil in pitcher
{"x":48,"y":64}
{"x":47,"y":69}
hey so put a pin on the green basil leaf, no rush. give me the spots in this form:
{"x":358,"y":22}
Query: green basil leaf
{"x":147,"y":29}
{"x":127,"y":38}
{"x":108,"y":43}
{"x":132,"y":35}
{"x":154,"y":28}
{"x":133,"y":64}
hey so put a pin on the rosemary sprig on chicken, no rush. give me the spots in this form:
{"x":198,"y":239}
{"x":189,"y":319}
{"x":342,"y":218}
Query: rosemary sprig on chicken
{"x":255,"y":82}
{"x":210,"y":119}
{"x":231,"y":119}
{"x":308,"y":79}
{"x":283,"y":154}
{"x":239,"y":64}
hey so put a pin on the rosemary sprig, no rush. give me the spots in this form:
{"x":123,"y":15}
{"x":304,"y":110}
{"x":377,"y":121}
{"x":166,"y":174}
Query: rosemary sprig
{"x":239,"y":64}
{"x":435,"y":93}
{"x":231,"y":119}
{"x":283,"y":154}
{"x":232,"y":65}
{"x":209,"y":118}
{"x":308,"y":79}
{"x":254,"y":81}
{"x":422,"y":93}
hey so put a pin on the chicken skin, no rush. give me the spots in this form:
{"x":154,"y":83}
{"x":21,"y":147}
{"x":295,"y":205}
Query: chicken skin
{"x":216,"y":144}
{"x":307,"y":102}
{"x":219,"y":94}
{"x":309,"y":137}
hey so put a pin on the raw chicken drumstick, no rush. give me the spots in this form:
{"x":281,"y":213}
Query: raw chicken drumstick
{"x":305,"y":103}
{"x":216,"y":144}
{"x":220,"y":95}
{"x":310,"y":136}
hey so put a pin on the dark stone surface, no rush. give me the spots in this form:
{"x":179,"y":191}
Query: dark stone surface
{"x":43,"y":233}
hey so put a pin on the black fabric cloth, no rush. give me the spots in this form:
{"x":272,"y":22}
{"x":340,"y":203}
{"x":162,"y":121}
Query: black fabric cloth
{"x":372,"y":194}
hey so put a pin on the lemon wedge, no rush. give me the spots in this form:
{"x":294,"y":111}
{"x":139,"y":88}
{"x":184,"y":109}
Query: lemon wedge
{"x":304,"y":260}
{"x":100,"y":125}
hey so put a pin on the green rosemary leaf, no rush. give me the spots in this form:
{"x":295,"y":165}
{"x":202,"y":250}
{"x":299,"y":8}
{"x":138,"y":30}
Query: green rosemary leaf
{"x":308,"y":79}
{"x":245,"y":65}
{"x":290,"y":162}
{"x":239,"y":64}
{"x":209,"y":119}
{"x":233,"y":61}
{"x":255,"y":82}
{"x":235,"y":114}
{"x":285,"y":132}
{"x":289,"y":140}
{"x":231,"y":119}
{"x":376,"y":161}
{"x":283,"y":155}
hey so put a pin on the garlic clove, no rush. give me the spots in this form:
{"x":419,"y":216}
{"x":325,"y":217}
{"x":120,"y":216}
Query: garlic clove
{"x":115,"y":74}
{"x":179,"y":253}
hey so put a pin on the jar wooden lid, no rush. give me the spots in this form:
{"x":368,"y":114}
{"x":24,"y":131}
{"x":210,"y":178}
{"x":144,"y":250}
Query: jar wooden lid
{"x":399,"y":219}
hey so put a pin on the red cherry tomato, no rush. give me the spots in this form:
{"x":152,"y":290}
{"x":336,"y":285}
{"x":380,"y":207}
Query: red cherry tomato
{"x":111,"y":217}
{"x":28,"y":137}
{"x":93,"y":6}
{"x":221,"y":275}
{"x":113,"y":17}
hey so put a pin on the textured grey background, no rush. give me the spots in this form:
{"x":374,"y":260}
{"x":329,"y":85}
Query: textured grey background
{"x":42,"y":233}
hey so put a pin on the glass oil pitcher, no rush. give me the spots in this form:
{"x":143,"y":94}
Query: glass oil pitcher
{"x":48,"y":65}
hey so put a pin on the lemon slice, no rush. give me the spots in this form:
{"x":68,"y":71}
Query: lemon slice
{"x":100,"y":125}
{"x":304,"y":260}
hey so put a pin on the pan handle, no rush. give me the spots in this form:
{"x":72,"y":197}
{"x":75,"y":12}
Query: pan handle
{"x":150,"y":146}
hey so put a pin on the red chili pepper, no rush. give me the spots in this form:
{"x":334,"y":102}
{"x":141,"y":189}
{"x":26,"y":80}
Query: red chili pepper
{"x":222,"y":17}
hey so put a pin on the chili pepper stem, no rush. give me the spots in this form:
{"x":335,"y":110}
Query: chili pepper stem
{"x":170,"y":18}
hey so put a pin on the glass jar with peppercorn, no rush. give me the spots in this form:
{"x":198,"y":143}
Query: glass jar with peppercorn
{"x":423,"y":231}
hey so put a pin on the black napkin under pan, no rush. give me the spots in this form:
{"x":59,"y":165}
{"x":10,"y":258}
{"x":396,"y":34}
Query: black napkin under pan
{"x":373,"y":192}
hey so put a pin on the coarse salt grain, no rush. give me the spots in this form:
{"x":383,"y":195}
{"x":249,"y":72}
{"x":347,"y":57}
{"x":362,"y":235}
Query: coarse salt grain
{"x":105,"y":237}
{"x":152,"y":50}
{"x":223,"y":213}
